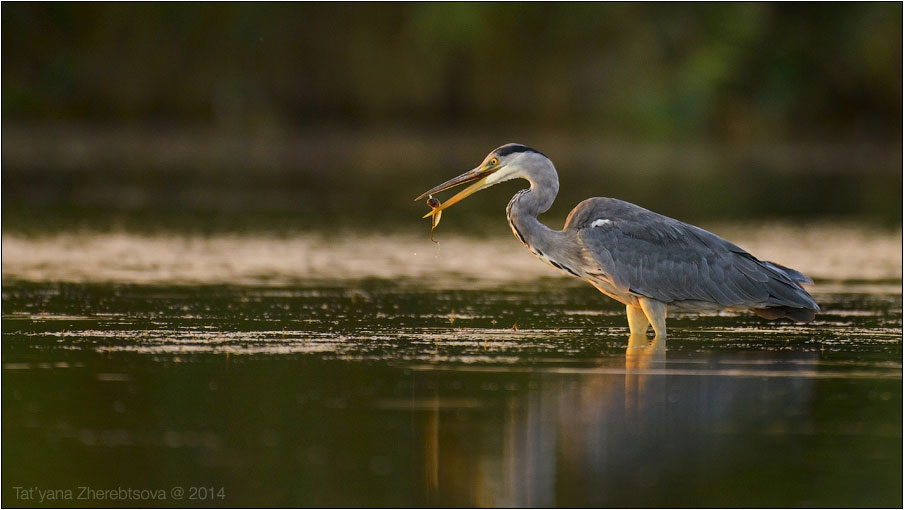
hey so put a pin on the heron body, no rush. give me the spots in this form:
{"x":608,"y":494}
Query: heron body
{"x":647,"y":261}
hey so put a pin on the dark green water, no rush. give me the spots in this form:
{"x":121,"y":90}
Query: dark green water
{"x":382,"y":392}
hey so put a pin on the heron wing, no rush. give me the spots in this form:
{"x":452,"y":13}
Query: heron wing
{"x":645,"y":253}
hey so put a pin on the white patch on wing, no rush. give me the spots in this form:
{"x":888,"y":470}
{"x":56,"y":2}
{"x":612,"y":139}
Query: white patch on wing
{"x":600,"y":223}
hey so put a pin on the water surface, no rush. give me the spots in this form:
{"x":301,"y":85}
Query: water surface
{"x":310,"y":371}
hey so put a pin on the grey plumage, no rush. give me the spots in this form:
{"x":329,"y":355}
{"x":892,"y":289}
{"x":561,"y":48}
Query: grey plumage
{"x":652,"y":255}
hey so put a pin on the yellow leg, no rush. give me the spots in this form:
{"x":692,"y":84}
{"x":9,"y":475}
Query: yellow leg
{"x":637,"y":321}
{"x":655,"y":312}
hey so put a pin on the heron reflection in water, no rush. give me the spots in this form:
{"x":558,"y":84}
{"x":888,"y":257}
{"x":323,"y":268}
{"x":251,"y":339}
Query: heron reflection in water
{"x":644,"y":260}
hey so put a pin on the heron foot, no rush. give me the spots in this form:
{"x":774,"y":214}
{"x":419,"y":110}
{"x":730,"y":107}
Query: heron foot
{"x":637,"y":342}
{"x":640,"y":345}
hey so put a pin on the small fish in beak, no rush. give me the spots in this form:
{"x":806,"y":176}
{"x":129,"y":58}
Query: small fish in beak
{"x":477,"y":177}
{"x":479,"y":174}
{"x":435,"y":215}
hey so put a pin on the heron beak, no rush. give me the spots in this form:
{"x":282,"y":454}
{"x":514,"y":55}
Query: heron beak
{"x":478,"y":174}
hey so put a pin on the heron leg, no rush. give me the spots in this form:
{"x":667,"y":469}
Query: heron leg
{"x":655,"y":312}
{"x":637,"y":321}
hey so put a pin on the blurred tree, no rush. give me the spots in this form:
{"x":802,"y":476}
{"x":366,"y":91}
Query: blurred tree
{"x":722,"y":71}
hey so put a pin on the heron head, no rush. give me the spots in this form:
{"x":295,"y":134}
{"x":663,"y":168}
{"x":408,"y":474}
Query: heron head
{"x":502,"y":164}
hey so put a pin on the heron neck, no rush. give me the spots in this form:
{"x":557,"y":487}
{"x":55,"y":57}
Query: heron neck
{"x":527,"y":204}
{"x":544,"y":186}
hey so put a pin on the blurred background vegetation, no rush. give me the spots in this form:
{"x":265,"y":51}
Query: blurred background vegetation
{"x":291,"y":116}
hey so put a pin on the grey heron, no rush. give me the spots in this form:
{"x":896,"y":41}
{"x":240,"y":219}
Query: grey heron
{"x":646,"y":261}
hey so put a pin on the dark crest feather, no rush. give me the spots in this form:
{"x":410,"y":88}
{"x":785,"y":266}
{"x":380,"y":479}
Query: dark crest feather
{"x":512,"y":148}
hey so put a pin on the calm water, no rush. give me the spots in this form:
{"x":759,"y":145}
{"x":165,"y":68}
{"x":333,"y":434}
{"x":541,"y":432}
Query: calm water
{"x":312,"y":371}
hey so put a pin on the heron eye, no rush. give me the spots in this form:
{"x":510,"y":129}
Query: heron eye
{"x":494,"y":162}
